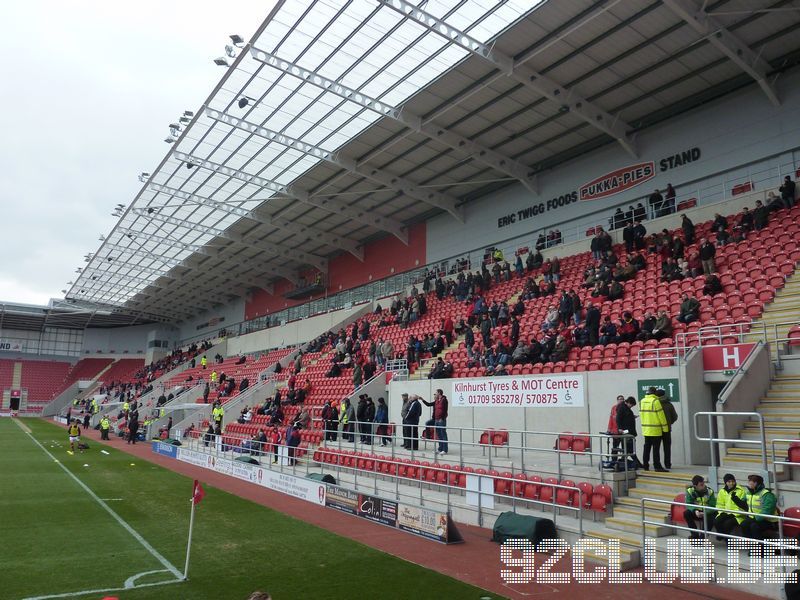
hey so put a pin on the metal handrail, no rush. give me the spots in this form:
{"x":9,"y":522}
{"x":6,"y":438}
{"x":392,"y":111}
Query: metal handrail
{"x":722,"y":397}
{"x":671,"y":353}
{"x":712,"y":441}
{"x":717,"y":331}
{"x":357,"y":445}
{"x":218,"y":447}
{"x":645,"y":521}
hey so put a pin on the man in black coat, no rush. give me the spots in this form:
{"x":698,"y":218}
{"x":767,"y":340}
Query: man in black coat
{"x":592,"y":324}
{"x":688,"y":229}
{"x":411,"y":422}
{"x":626,"y":424}
{"x":787,"y":191}
{"x":639,"y":233}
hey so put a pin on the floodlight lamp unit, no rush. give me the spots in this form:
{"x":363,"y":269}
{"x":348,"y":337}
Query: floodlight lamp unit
{"x":174,"y":126}
{"x":170,"y":140}
{"x":243,"y":101}
{"x":185,"y":120}
{"x":220,"y":61}
{"x":237,"y":40}
{"x":189,"y":165}
{"x":188,"y":113}
{"x":230,"y":51}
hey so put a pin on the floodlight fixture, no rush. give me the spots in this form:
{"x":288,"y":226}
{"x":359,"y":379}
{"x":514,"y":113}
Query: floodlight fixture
{"x":174,"y":126}
{"x":185,"y":120}
{"x":144,"y":176}
{"x":221,"y":62}
{"x":102,"y":238}
{"x":170,"y":140}
{"x":237,"y":40}
{"x":188,"y":113}
{"x":243,"y":101}
{"x":63,"y":291}
{"x":189,"y":165}
{"x":230,"y":51}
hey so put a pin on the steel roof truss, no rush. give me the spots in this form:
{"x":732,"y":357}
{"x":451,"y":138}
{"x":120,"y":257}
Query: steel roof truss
{"x":474,"y":150}
{"x":390,"y":180}
{"x":731,"y":46}
{"x":337,"y":207}
{"x":569,"y":99}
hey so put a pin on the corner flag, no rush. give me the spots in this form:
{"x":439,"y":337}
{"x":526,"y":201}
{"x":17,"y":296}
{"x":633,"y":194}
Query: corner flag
{"x":198,"y":493}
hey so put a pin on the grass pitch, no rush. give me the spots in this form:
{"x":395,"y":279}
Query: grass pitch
{"x":56,"y":539}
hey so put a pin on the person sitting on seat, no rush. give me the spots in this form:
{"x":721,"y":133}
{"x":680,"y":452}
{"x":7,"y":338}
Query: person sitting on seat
{"x":690,"y":309}
{"x":762,"y":507}
{"x":702,"y":495}
{"x":727,"y":522}
{"x":712,"y":286}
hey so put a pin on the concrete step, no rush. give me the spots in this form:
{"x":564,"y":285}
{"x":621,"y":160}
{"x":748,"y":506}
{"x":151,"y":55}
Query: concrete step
{"x":652,"y":513}
{"x":657,"y":494}
{"x":681,"y":475}
{"x":633,"y":524}
{"x":780,"y":402}
{"x":628,"y":542}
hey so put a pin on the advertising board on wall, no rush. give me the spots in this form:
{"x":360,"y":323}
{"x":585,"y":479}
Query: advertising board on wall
{"x":425,"y":522}
{"x":298,"y":487}
{"x":526,"y":391}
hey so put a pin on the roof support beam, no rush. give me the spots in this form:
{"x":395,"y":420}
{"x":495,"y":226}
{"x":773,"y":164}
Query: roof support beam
{"x":476,"y":151}
{"x":291,"y":254}
{"x":332,"y":205}
{"x":731,"y":46}
{"x":391,"y":181}
{"x":156,"y":272}
{"x":569,"y":99}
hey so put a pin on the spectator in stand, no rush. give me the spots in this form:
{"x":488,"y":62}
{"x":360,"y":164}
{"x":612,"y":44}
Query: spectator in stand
{"x":719,"y":223}
{"x":411,"y":422}
{"x":707,"y":252}
{"x":760,"y":216}
{"x":639,"y":235}
{"x":669,"y":200}
{"x":694,"y":266}
{"x":556,"y":268}
{"x":560,"y":349}
{"x":330,"y":419}
{"x":382,"y":422}
{"x":690,"y":309}
{"x":700,"y":518}
{"x":615,"y":291}
{"x":688,"y":229}
{"x":656,"y":201}
{"x":746,"y":222}
{"x":663,"y":326}
{"x":628,"y":236}
{"x":713,"y":286}
{"x":774,"y":204}
{"x":439,"y":419}
{"x":592,"y":324}
{"x":787,"y":191}
{"x":626,"y":425}
{"x":551,"y":320}
{"x":608,"y":331}
{"x":646,"y":329}
{"x":670,"y":271}
{"x":628,"y":328}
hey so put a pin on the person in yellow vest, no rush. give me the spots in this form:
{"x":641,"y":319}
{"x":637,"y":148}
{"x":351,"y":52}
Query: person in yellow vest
{"x":762,"y":507}
{"x":497,"y":255}
{"x":726,"y":522}
{"x":74,"y":436}
{"x":654,"y":425}
{"x":95,"y":408}
{"x":217,"y":413}
{"x":126,"y":407}
{"x":702,"y":495}
{"x":105,"y":425}
{"x":213,"y":377}
{"x":203,"y":361}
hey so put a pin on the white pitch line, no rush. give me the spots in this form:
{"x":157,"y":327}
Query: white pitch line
{"x":105,"y":590}
{"x":156,"y":554}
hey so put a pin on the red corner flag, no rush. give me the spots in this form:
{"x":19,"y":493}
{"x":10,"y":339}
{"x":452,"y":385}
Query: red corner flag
{"x":198,"y":493}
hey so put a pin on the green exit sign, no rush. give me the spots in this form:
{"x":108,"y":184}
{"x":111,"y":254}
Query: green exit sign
{"x":728,"y":372}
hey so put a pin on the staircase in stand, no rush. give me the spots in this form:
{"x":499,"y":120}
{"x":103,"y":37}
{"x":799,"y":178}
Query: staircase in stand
{"x":780,"y":313}
{"x":780,"y":409}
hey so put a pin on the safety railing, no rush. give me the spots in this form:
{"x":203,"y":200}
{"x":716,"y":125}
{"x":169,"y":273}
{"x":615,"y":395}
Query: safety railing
{"x":398,"y":367}
{"x":698,"y":337}
{"x":464,"y":439}
{"x":773,"y":451}
{"x":714,"y":441}
{"x":662,"y":357}
{"x":779,"y":543}
{"x":285,"y":460}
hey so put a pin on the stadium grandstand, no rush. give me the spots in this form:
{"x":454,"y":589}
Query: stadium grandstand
{"x":495,"y":263}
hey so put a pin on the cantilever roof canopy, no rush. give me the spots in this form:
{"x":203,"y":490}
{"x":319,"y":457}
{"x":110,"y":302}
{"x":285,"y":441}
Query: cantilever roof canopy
{"x":342,"y":122}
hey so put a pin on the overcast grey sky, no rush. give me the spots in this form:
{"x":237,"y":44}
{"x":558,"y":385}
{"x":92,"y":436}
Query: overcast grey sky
{"x":87,"y":91}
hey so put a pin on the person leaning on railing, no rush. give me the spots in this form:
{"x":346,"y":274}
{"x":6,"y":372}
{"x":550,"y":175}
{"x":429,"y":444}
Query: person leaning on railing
{"x":762,"y":507}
